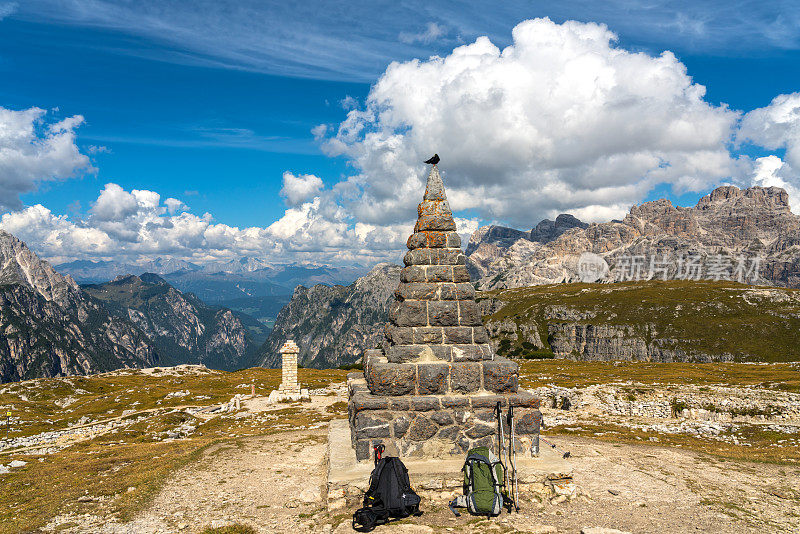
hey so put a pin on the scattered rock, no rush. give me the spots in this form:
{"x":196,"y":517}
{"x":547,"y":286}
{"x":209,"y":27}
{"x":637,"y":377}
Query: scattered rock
{"x":17,"y":463}
{"x":602,"y":530}
{"x":613,"y":491}
{"x":310,"y":495}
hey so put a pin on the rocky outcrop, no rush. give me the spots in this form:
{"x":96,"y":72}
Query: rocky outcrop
{"x":725,"y":225}
{"x":333,"y":325}
{"x":604,"y":342}
{"x":183,"y":328}
{"x":49,"y":327}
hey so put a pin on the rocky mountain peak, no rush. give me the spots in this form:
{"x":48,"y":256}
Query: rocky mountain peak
{"x":548,"y":230}
{"x":729,"y":220}
{"x":773,"y":198}
{"x":20,"y":265}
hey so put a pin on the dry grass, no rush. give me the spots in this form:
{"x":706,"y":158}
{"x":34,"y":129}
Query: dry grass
{"x":102,"y":471}
{"x":571,"y":374}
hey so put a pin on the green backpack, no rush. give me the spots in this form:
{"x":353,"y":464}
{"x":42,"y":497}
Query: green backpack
{"x":484,"y":477}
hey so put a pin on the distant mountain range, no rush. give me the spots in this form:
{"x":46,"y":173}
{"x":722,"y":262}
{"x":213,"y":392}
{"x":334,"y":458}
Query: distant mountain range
{"x":218,"y":282}
{"x":656,"y":239}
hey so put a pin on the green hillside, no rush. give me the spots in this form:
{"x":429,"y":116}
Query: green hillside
{"x":749,"y":323}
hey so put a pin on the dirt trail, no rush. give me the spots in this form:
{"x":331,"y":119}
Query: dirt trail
{"x":275,"y":483}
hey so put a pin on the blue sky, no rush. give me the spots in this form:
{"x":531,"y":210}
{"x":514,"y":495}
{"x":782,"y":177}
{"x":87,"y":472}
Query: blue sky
{"x":212,"y":102}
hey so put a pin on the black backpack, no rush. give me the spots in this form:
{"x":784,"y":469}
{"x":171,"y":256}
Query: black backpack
{"x":389,"y":495}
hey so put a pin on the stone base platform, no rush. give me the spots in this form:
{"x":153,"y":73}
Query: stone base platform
{"x":436,"y":480}
{"x":436,"y":426}
{"x":276,"y":395}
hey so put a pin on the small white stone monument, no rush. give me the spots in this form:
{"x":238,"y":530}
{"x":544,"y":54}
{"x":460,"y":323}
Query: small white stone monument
{"x":289,"y":390}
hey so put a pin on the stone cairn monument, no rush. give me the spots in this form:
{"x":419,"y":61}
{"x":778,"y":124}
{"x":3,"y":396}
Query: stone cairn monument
{"x":289,"y":390}
{"x":432,"y":390}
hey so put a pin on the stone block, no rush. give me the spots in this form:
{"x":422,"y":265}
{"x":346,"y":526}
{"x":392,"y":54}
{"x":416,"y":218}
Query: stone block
{"x":443,"y":313}
{"x":369,"y":402}
{"x":423,"y":404}
{"x":429,"y":239}
{"x":466,"y":353}
{"x":500,"y":375}
{"x":421,"y":429}
{"x":442,"y":418}
{"x":460,"y":274}
{"x":488,"y":401}
{"x":457,"y":334}
{"x":400,"y":335}
{"x":455,"y":402}
{"x":413,"y":273}
{"x":453,"y":240}
{"x":400,"y":425}
{"x":448,"y":433}
{"x":469,"y":313}
{"x":363,"y":448}
{"x":391,"y":379}
{"x":464,"y":291}
{"x":371,"y":426}
{"x":419,"y":256}
{"x":417,"y":291}
{"x":528,"y":422}
{"x":400,"y":403}
{"x":428,"y":335}
{"x":417,"y":352}
{"x":447,"y":256}
{"x":524,"y":399}
{"x":432,"y":378}
{"x":465,"y":377}
{"x":479,"y":335}
{"x":442,"y":352}
{"x":440,"y":273}
{"x":412,"y":313}
{"x":479,"y":429}
{"x":434,"y":215}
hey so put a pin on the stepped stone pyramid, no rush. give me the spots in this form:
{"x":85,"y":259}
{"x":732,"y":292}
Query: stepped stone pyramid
{"x":432,"y":390}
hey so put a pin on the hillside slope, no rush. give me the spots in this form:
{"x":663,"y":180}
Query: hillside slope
{"x":650,"y":321}
{"x":333,"y":325}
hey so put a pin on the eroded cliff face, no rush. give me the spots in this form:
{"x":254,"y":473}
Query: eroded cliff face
{"x":729,"y":221}
{"x":698,"y":321}
{"x":333,"y":325}
{"x":49,"y":327}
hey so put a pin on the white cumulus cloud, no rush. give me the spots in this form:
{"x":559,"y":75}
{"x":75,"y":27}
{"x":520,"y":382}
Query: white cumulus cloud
{"x":33,"y":151}
{"x":299,"y":188}
{"x":561,"y":120}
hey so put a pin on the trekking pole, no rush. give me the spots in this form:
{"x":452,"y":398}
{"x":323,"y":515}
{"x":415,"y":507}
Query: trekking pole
{"x":500,"y":455}
{"x":512,"y":447}
{"x":553,"y":445}
{"x":501,"y":443}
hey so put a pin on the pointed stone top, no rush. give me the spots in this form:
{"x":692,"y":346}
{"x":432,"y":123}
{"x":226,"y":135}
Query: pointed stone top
{"x":289,"y":347}
{"x":435,"y":188}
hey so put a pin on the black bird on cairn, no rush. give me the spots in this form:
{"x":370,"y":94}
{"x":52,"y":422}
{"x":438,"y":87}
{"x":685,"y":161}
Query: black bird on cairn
{"x":434,"y":160}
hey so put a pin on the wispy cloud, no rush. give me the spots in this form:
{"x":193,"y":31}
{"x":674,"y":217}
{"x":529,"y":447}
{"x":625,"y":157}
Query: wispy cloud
{"x":431,"y":33}
{"x":7,"y":8}
{"x":355,"y":40}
